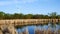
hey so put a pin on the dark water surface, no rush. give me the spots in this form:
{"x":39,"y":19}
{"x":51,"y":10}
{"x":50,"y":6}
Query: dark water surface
{"x":43,"y":27}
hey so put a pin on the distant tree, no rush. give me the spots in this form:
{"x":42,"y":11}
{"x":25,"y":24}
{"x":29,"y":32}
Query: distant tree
{"x":58,"y":16}
{"x":37,"y":16}
{"x":53,"y":15}
{"x":2,"y":15}
{"x":28,"y":16}
{"x":8,"y":16}
{"x":21,"y":16}
{"x":46,"y":17}
{"x":16,"y":16}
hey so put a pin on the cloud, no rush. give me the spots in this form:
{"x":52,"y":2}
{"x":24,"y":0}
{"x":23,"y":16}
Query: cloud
{"x":16,"y":2}
{"x":45,"y":0}
{"x":6,"y":3}
{"x":24,"y":1}
{"x":28,"y":1}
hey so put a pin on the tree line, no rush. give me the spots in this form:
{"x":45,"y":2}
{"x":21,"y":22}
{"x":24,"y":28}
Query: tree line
{"x":52,"y":15}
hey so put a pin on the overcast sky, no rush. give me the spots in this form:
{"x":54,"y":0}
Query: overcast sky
{"x":30,"y":6}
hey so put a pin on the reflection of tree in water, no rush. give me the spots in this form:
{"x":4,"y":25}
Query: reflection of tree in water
{"x":5,"y":31}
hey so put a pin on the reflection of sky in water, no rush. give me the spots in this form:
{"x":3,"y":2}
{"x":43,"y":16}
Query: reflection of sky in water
{"x":44,"y":27}
{"x":31,"y":29}
{"x":57,"y":27}
{"x":19,"y":30}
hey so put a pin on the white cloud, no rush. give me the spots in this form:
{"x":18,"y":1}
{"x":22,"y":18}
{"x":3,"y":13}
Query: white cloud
{"x":28,"y":1}
{"x":16,"y":1}
{"x":6,"y":3}
{"x":45,"y":0}
{"x":25,"y":1}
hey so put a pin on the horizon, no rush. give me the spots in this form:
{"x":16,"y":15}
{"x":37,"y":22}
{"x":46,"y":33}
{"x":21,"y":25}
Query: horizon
{"x":30,"y":6}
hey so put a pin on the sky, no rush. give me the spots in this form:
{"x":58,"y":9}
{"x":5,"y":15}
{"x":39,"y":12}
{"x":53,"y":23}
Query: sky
{"x":30,"y":6}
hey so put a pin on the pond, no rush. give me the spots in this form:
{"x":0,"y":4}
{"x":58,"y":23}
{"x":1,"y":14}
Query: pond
{"x":31,"y":29}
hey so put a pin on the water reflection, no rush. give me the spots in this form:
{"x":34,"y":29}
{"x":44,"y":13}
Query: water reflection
{"x":42,"y":29}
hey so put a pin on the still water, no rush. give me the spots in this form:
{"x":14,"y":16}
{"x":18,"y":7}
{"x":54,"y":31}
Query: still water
{"x":32,"y":28}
